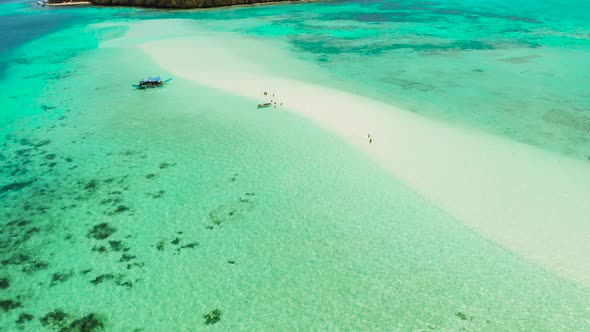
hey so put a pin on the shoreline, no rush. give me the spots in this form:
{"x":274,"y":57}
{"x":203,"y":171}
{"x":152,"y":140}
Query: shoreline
{"x":69,"y":4}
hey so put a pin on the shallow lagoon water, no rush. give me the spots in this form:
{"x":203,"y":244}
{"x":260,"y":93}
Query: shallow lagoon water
{"x":153,"y":209}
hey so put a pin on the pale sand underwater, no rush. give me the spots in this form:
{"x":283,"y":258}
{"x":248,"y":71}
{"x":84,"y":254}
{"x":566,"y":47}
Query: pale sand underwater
{"x":530,"y":201}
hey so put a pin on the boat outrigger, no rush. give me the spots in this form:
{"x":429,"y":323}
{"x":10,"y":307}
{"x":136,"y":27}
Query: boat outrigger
{"x":264,"y":105}
{"x":152,"y":82}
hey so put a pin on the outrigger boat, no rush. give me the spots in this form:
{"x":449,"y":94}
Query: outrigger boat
{"x":264,"y":105}
{"x":152,"y":82}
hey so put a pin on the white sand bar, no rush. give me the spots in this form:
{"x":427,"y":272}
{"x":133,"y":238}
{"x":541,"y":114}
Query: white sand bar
{"x":533,"y":202}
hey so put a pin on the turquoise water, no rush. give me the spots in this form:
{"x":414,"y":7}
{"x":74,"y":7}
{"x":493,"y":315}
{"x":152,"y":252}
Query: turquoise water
{"x":127,"y":210}
{"x":515,"y":69}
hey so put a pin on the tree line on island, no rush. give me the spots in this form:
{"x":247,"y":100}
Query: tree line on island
{"x":186,"y":4}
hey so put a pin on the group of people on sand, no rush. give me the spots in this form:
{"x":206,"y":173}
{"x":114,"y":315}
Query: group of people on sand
{"x":271,"y":101}
{"x":274,"y":103}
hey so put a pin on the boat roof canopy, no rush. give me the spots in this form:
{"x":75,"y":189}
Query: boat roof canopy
{"x":153,"y":79}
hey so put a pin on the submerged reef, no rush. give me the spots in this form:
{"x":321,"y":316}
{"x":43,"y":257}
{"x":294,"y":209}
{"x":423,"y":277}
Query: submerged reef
{"x":7,"y":305}
{"x":24,"y":317}
{"x":15,"y":186}
{"x":179,"y":3}
{"x":54,"y":318}
{"x":213,"y":317}
{"x":59,"y":320}
{"x":4,"y":283}
{"x":463,"y":316}
{"x":118,"y":279}
{"x":101,"y":231}
{"x":176,"y":242}
{"x":44,"y":199}
{"x":58,"y":278}
{"x":88,"y":323}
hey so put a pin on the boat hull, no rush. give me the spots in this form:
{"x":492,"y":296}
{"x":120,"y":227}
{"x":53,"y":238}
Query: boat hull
{"x":151,"y":86}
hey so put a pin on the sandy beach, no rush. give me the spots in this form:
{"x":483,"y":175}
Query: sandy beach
{"x":71,"y":4}
{"x":502,"y":189}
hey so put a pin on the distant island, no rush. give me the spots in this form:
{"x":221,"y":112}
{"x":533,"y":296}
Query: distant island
{"x":182,"y":4}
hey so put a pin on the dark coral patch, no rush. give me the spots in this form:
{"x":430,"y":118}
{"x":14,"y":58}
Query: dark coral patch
{"x":189,"y":246}
{"x":101,"y":231}
{"x":463,"y":316}
{"x":24,"y":141}
{"x":212,"y":317}
{"x":102,"y":278}
{"x":42,"y":143}
{"x":35,"y":266}
{"x":8,"y":305}
{"x":15,"y":186}
{"x":100,"y":249}
{"x":118,"y":210}
{"x":118,"y":246}
{"x":91,"y":185}
{"x":117,"y":278}
{"x":126,"y":258}
{"x":47,"y":108}
{"x":4,"y":283}
{"x":130,"y":266}
{"x":58,"y":278}
{"x":17,"y":259}
{"x":23,"y":318}
{"x":54,"y":319}
{"x":58,"y":320}
{"x":88,"y":323}
{"x":111,"y":201}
